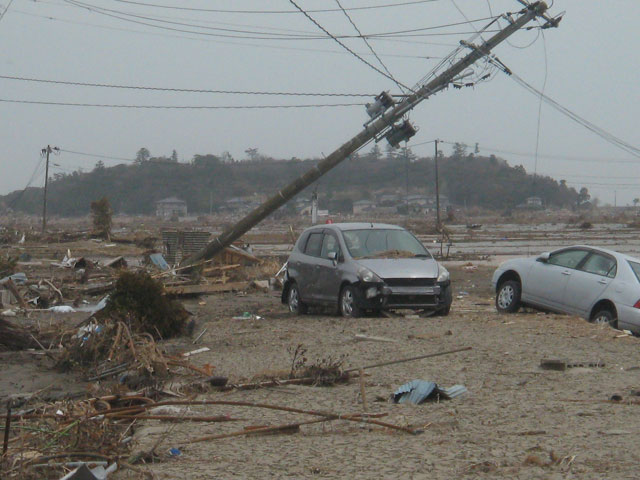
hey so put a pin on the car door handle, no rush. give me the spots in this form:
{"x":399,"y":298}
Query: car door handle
{"x":602,"y":281}
{"x":566,"y":272}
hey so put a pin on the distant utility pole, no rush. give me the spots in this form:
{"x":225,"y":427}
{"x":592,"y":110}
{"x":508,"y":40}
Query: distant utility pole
{"x":435,"y":159}
{"x":386,"y":123}
{"x":46,"y":151}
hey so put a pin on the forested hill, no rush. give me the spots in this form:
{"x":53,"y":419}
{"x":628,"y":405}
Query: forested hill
{"x":133,"y":189}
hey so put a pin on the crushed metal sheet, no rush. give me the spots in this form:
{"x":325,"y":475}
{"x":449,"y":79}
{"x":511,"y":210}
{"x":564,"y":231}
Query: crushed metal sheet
{"x":418,"y":391}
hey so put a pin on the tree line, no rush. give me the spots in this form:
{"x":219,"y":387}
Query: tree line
{"x":209,"y":181}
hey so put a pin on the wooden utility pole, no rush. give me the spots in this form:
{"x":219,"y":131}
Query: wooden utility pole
{"x":46,"y":151}
{"x":380,"y":126}
{"x":435,"y":159}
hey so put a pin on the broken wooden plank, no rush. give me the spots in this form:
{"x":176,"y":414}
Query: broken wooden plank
{"x":184,"y":290}
{"x":368,"y":338}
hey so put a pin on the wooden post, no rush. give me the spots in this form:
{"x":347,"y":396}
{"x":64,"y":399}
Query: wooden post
{"x":363,"y":392}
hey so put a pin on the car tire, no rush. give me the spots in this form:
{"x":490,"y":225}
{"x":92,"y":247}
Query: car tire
{"x":443,"y":312}
{"x":605,"y":317}
{"x":347,"y":302}
{"x":296,"y":305}
{"x":508,"y":297}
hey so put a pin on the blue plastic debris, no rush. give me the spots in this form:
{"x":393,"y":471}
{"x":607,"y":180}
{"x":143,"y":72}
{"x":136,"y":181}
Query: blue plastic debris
{"x":418,"y":391}
{"x":175,"y":452}
{"x":158,"y":260}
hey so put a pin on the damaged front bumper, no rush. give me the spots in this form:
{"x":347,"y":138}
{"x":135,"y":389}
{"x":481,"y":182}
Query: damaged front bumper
{"x":380,"y":296}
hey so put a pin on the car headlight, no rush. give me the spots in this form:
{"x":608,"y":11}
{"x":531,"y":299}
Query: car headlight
{"x":443,"y":274}
{"x":366,"y":275}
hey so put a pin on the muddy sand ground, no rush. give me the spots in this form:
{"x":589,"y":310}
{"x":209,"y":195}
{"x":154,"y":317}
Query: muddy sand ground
{"x":516,"y":421}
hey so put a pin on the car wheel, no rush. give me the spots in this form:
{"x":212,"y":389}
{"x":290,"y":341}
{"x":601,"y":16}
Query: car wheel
{"x":508,"y":297}
{"x":605,"y":317}
{"x":347,"y":302}
{"x":296,"y":305}
{"x":443,"y":312}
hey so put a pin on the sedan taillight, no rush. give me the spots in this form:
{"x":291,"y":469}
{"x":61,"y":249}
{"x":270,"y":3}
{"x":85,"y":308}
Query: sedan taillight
{"x":637,"y":304}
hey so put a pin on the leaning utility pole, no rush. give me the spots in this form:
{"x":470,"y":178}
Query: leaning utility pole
{"x":46,"y":151}
{"x":384,"y":113}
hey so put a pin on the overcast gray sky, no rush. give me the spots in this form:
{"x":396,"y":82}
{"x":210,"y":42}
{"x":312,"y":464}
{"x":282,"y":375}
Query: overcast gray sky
{"x":591,"y":60}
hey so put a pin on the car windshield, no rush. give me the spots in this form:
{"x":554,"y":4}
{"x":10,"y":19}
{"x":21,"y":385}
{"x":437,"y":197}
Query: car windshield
{"x":383,"y":243}
{"x":636,"y":269}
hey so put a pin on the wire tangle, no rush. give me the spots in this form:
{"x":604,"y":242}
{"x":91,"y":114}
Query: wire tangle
{"x":384,"y":74}
{"x":364,"y":39}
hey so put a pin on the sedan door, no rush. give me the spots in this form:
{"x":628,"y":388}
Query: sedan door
{"x":546,"y":282}
{"x":589,"y":282}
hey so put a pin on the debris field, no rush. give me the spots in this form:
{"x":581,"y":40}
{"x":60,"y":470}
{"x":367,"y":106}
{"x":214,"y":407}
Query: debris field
{"x":228,"y":383}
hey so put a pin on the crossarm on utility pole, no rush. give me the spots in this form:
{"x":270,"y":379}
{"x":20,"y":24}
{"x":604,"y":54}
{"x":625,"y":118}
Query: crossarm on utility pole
{"x":370,"y":132}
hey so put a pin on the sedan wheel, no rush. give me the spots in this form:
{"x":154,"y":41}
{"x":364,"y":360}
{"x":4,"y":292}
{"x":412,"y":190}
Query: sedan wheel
{"x":348,"y":305}
{"x":508,"y":297}
{"x":296,"y":305}
{"x":605,"y":317}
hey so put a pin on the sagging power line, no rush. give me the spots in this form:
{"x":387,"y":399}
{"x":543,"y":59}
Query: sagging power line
{"x":178,"y":107}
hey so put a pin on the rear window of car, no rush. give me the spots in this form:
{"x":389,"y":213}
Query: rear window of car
{"x":636,"y":269}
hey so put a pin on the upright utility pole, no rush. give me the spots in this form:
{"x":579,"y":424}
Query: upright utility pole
{"x":382,"y":124}
{"x":435,"y":160}
{"x":46,"y":151}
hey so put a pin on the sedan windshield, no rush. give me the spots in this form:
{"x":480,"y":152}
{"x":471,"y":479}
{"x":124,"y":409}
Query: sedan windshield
{"x":636,"y":269}
{"x":383,"y":243}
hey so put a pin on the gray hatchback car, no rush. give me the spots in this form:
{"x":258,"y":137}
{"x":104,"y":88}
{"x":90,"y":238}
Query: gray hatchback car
{"x":360,"y":267}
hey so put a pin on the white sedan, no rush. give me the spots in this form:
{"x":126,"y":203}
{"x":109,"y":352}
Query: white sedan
{"x":600,"y":285}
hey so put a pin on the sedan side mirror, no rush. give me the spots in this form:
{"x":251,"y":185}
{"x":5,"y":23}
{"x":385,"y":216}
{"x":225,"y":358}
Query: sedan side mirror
{"x":333,"y":256}
{"x":544,"y":258}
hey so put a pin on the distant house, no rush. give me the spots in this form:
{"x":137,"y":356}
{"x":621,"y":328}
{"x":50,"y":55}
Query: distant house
{"x":171,"y":207}
{"x":363,"y":206}
{"x":417,"y":200}
{"x":388,"y":199}
{"x":534,"y":202}
{"x":531,"y":203}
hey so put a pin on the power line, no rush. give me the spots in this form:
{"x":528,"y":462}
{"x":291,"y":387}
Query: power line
{"x":607,"y":136}
{"x":95,"y":155}
{"x":181,"y":107}
{"x":217,"y":10}
{"x":231,"y":33}
{"x":346,"y":47}
{"x":551,"y":157}
{"x":183,"y":90}
{"x":539,"y":123}
{"x":5,"y":10}
{"x":34,"y":176}
{"x":228,"y":42}
{"x":368,"y":44}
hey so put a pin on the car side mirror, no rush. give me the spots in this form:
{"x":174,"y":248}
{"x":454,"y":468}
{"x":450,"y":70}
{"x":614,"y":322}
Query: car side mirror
{"x":544,"y":258}
{"x":333,"y":256}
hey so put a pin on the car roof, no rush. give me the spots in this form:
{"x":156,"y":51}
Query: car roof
{"x":621,"y":256}
{"x":356,"y":226}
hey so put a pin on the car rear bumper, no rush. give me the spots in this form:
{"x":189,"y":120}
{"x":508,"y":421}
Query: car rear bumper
{"x":628,"y":318}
